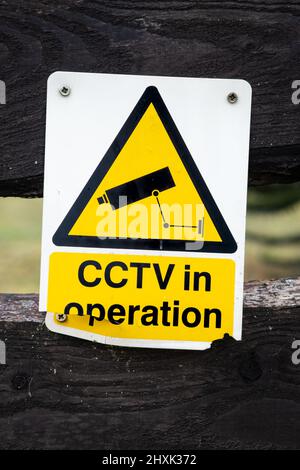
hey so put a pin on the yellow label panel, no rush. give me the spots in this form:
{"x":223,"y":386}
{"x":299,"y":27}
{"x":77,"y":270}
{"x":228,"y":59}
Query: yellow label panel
{"x":143,"y":297}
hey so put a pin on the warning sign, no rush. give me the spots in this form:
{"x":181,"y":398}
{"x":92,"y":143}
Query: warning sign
{"x":144,"y":209}
{"x":147,"y":192}
{"x":105,"y":295}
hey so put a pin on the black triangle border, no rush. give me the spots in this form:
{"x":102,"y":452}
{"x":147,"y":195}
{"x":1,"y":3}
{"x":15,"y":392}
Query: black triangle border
{"x":62,"y":237}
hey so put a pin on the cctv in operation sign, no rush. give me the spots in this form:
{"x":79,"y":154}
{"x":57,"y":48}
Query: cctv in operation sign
{"x":144,"y":208}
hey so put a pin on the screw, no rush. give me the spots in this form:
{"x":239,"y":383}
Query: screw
{"x":232,"y":98}
{"x":250,"y":369}
{"x":65,"y":90}
{"x":19,"y":382}
{"x":61,"y":317}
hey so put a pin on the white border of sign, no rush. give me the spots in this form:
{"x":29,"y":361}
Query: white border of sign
{"x":86,"y":122}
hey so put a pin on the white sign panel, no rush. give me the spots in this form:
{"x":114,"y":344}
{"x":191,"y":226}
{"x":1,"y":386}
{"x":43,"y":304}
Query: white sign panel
{"x":144,"y":208}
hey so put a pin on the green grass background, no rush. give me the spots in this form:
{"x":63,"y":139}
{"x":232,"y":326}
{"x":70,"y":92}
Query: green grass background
{"x":272,"y":242}
{"x":20,"y":238}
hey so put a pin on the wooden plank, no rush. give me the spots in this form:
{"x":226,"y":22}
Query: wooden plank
{"x":62,"y":392}
{"x":257,"y":41}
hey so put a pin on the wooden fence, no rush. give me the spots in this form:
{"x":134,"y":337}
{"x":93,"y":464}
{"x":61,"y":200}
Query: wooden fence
{"x":61,"y":392}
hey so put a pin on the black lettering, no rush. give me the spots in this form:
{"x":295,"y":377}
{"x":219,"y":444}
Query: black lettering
{"x":197,"y":277}
{"x":165,"y":310}
{"x":132,"y":309}
{"x":175,"y":312}
{"x":139,"y":276}
{"x":187,"y":277}
{"x":163,"y":283}
{"x":208,"y":312}
{"x":90,"y":310}
{"x":116,"y":310}
{"x":108,"y":279}
{"x":81,"y":277}
{"x":185,"y":314}
{"x":150,"y":318}
{"x":73,"y":305}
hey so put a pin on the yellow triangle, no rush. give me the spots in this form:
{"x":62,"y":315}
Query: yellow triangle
{"x":148,"y":149}
{"x":147,"y":192}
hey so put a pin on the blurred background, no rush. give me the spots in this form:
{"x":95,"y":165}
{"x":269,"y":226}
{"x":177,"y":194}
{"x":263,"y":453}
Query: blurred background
{"x":272,"y":239}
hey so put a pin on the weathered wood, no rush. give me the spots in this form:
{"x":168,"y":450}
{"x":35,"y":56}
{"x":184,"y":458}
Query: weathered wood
{"x":257,"y":41}
{"x":272,"y":294}
{"x":62,"y":392}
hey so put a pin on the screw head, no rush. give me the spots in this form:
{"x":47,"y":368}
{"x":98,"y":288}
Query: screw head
{"x":20,"y":381}
{"x":232,"y":97}
{"x":61,"y":317}
{"x":65,"y":90}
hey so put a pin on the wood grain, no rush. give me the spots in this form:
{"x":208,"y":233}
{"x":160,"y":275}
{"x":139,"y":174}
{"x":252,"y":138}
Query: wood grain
{"x":59,"y":392}
{"x":257,"y":41}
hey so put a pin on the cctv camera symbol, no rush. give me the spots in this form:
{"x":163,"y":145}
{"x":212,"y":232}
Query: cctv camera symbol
{"x":140,"y":188}
{"x":137,"y":189}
